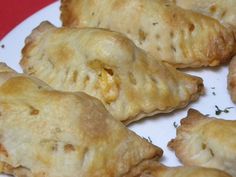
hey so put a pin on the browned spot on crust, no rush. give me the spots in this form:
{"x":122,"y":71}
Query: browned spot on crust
{"x":109,"y":71}
{"x":142,"y":35}
{"x":232,"y":84}
{"x":174,"y":16}
{"x":33,"y":111}
{"x":191,"y":27}
{"x":171,"y":144}
{"x":31,"y":70}
{"x":119,"y":4}
{"x":220,"y":49}
{"x":213,"y":9}
{"x":75,"y":76}
{"x":69,"y":148}
{"x":86,"y":80}
{"x":68,"y":13}
{"x":61,"y":54}
{"x":96,"y":64}
{"x":3,"y":150}
{"x":26,"y":51}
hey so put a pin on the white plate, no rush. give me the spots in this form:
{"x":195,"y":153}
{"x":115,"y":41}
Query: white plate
{"x":159,"y":129}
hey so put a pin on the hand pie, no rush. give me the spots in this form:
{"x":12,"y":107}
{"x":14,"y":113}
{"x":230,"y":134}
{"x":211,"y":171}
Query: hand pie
{"x":48,"y":133}
{"x":223,"y":10}
{"x":180,"y":37}
{"x":107,"y":65}
{"x":208,"y":142}
{"x":155,"y":169}
{"x":232,"y":79}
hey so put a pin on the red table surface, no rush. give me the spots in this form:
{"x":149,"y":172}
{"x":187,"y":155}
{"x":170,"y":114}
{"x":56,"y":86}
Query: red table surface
{"x":14,"y":12}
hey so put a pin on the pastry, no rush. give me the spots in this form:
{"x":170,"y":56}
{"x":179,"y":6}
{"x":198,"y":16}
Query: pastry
{"x":48,"y":133}
{"x":224,"y":10}
{"x":180,"y":37}
{"x":107,"y":65}
{"x":207,"y":142}
{"x":155,"y":169}
{"x":232,"y":79}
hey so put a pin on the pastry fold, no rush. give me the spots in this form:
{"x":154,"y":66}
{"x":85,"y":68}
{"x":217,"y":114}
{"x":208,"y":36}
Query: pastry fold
{"x":179,"y":37}
{"x":48,"y":133}
{"x":206,"y":141}
{"x":107,"y":65}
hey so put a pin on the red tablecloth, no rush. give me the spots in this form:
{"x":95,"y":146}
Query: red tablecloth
{"x":14,"y":12}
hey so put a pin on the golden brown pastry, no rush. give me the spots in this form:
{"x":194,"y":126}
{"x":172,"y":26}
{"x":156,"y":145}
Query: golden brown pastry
{"x":232,"y":79}
{"x":155,"y":169}
{"x":48,"y":133}
{"x":180,"y":37}
{"x":207,"y":142}
{"x":223,"y":10}
{"x":107,"y":65}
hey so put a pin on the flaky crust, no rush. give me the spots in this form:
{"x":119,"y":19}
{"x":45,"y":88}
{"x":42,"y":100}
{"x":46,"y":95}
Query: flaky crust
{"x":5,"y":72}
{"x":180,"y":37}
{"x":107,"y":65}
{"x":232,"y":79}
{"x":48,"y":133}
{"x":224,"y":11}
{"x":155,"y":169}
{"x":207,"y":142}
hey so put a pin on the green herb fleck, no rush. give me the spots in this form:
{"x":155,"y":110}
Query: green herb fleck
{"x":214,"y":93}
{"x":148,"y":139}
{"x":219,"y":111}
{"x":175,"y":125}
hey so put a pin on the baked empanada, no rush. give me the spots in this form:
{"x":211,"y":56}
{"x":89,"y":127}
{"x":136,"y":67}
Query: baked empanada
{"x":155,"y":169}
{"x":180,"y":37}
{"x":223,"y":10}
{"x":48,"y":133}
{"x":208,"y":142}
{"x":232,"y":79}
{"x":107,"y":65}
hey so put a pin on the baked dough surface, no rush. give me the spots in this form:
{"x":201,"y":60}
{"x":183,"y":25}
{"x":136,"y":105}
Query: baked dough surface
{"x":48,"y":133}
{"x":232,"y":79}
{"x":130,"y":83}
{"x":155,"y":169}
{"x":223,"y":10}
{"x":180,"y":37}
{"x":205,"y":141}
